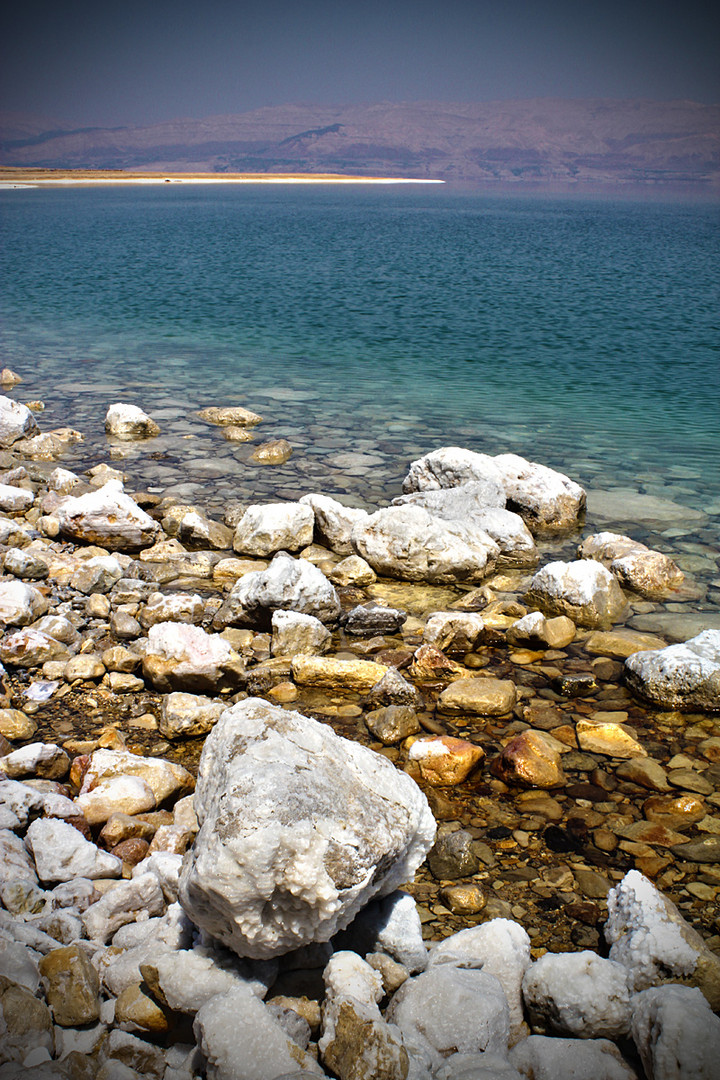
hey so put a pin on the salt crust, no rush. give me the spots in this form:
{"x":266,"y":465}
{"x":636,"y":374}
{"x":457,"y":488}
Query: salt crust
{"x":541,"y":1058}
{"x":579,"y":994}
{"x":576,"y":582}
{"x":676,"y":1033}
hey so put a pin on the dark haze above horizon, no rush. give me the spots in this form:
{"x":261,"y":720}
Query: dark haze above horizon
{"x":86,"y":64}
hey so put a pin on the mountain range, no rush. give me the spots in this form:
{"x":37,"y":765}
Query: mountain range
{"x":606,"y":142}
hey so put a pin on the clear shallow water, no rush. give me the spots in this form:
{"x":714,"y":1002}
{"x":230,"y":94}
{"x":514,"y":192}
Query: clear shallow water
{"x":376,"y":322}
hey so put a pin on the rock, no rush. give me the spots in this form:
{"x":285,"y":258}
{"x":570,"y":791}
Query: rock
{"x":16,"y":421}
{"x":62,"y":853}
{"x":467,"y":503}
{"x":274,"y":452}
{"x":453,"y":632}
{"x":176,"y":607}
{"x":606,"y":737}
{"x":390,"y":924}
{"x":366,"y":620}
{"x":16,"y":725}
{"x":295,"y":633}
{"x":14,"y":499}
{"x":129,"y":422}
{"x":183,"y":657}
{"x":627,"y":504}
{"x":578,"y":994}
{"x":357,"y":675}
{"x":226,"y":415}
{"x":648,"y":935}
{"x":452,"y":857}
{"x":544,"y":1058}
{"x":620,"y":643}
{"x":135,"y":1010}
{"x":676,"y":1033}
{"x":705,"y":849}
{"x":393,"y":689}
{"x":9,"y":378}
{"x":122,"y":905}
{"x":256,"y":821}
{"x":26,"y":1023}
{"x":195,"y":529}
{"x":392,"y":723}
{"x":270,"y":527}
{"x":685,"y":676}
{"x":166,"y":779}
{"x":675,"y":811}
{"x":334,"y":522}
{"x":452,"y":466}
{"x":528,"y":759}
{"x":477,"y":697}
{"x":445,"y":760}
{"x":21,"y":604}
{"x":42,"y":760}
{"x":72,"y":986}
{"x":584,"y":591}
{"x":465,"y":899}
{"x":235,"y":433}
{"x":636,"y":566}
{"x":96,"y":575}
{"x":27,"y":564}
{"x":185,"y":980}
{"x":188,"y":715}
{"x":240,"y":1038}
{"x":645,"y":772}
{"x":288,"y":584}
{"x":535,"y":631}
{"x":108,"y":517}
{"x":357,"y":1044}
{"x":408,"y":542}
{"x":117,"y":794}
{"x":15,"y":861}
{"x":430,"y":664}
{"x":18,"y":804}
{"x":449,"y":1009}
{"x":352,"y":570}
{"x":85,"y":667}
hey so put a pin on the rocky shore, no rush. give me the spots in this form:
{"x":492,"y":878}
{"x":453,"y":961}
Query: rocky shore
{"x":316,"y":790}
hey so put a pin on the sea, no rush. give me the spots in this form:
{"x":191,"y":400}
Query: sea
{"x":369,"y":325}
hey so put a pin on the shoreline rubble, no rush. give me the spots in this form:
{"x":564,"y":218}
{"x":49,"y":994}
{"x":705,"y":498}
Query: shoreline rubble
{"x":561,"y":771}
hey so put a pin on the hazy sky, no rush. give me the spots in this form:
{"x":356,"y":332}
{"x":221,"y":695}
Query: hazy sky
{"x":115,"y":62}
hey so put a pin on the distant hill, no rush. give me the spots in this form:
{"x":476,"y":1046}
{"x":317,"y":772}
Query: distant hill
{"x":543,"y":140}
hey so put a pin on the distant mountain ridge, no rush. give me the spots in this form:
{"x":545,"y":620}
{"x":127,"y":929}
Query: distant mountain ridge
{"x":534,"y":140}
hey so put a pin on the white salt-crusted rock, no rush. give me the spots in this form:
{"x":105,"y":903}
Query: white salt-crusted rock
{"x":578,"y":994}
{"x":15,"y":499}
{"x":499,"y":947}
{"x":298,"y":830}
{"x":242,"y":1040}
{"x":468,"y":503}
{"x":15,"y":861}
{"x":129,"y":422}
{"x":334,"y":522}
{"x":173,"y":607}
{"x":410,"y":543}
{"x":685,"y":676}
{"x":29,"y":648}
{"x":637,"y":567}
{"x":165,"y":778}
{"x":477,"y":1067}
{"x":61,"y":853}
{"x":142,"y":896}
{"x":356,"y":1040}
{"x":676,"y":1033}
{"x":287,"y":584}
{"x":391,"y":925}
{"x":269,"y":527}
{"x":16,"y":421}
{"x":116,"y":794}
{"x":179,"y":656}
{"x":188,"y":978}
{"x":451,"y":466}
{"x":184,"y":715}
{"x":649,"y":937}
{"x":19,"y":964}
{"x":294,"y":633}
{"x":18,"y":804}
{"x":45,"y":761}
{"x":96,"y":575}
{"x":543,"y":1058}
{"x":108,"y":517}
{"x":453,"y":631}
{"x":20,"y":603}
{"x":165,"y":866}
{"x":583,"y":590}
{"x":448,"y":1009}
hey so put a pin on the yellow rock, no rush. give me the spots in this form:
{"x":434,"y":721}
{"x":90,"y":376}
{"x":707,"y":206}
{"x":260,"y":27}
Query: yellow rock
{"x":479,"y":697}
{"x":445,"y":760}
{"x":229,"y":414}
{"x":137,"y":1008}
{"x":357,"y":675}
{"x":274,"y":452}
{"x":529,"y":760}
{"x":606,"y":737}
{"x":619,"y":644}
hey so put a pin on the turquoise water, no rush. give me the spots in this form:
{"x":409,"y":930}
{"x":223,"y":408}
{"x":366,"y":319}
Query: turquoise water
{"x":377,"y":322}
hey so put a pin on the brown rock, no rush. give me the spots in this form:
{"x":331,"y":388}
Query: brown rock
{"x":619,"y":644}
{"x":464,"y":899}
{"x":445,"y":760}
{"x":120,"y":827}
{"x":364,"y":1048}
{"x":432,"y":665}
{"x":16,"y":726}
{"x":131,"y":851}
{"x":479,"y":697}
{"x":529,"y":760}
{"x":274,"y":452}
{"x":676,"y":812}
{"x":72,"y":986}
{"x":27,"y":1022}
{"x":650,"y":832}
{"x":645,"y":772}
{"x":607,"y":737}
{"x":140,"y":1012}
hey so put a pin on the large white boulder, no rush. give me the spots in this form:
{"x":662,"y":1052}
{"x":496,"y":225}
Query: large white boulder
{"x":129,"y":422}
{"x":410,"y":543}
{"x":542,"y":1057}
{"x":578,"y":994}
{"x":676,"y":1033}
{"x":109,"y":517}
{"x":16,"y":421}
{"x":684,"y":676}
{"x":451,"y":466}
{"x":287,"y":584}
{"x":266,"y":528}
{"x":584,"y":591}
{"x":649,"y":937}
{"x":179,"y":656}
{"x":21,"y":604}
{"x":334,"y":522}
{"x":298,"y":830}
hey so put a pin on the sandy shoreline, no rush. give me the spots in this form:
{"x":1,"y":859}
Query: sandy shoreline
{"x":26,"y":178}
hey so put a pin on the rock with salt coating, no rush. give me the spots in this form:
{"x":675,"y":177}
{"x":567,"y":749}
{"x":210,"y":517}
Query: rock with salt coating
{"x":62,"y":853}
{"x":578,"y":994}
{"x":288,"y":584}
{"x":180,"y":656}
{"x":542,"y":1058}
{"x":637,"y":567}
{"x":294,"y":633}
{"x":391,"y":925}
{"x":16,"y":421}
{"x":649,"y":937}
{"x":445,"y":760}
{"x":410,"y":543}
{"x":357,"y":1043}
{"x":242,"y":1040}
{"x":116,"y":795}
{"x":499,"y":947}
{"x":14,"y":499}
{"x":108,"y":517}
{"x":21,"y":604}
{"x":15,"y":861}
{"x":142,"y":896}
{"x":477,"y":1067}
{"x":29,"y":648}
{"x":188,"y":715}
{"x":129,"y":422}
{"x":299,"y":829}
{"x":584,"y":591}
{"x":175,"y":607}
{"x":165,"y":778}
{"x":186,"y":979}
{"x":449,"y":1009}
{"x":453,"y":632}
{"x":45,"y":761}
{"x":535,"y":631}
{"x":269,"y":527}
{"x":334,"y":522}
{"x":676,"y":1033}
{"x":685,"y":676}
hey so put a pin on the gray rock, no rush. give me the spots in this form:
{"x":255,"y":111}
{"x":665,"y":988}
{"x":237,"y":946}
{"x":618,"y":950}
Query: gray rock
{"x":452,"y":856}
{"x":392,"y":723}
{"x":288,"y":584}
{"x":294,"y":632}
{"x":334,"y":522}
{"x":21,"y":604}
{"x":366,"y":620}
{"x":584,"y":591}
{"x":16,"y":421}
{"x":685,"y":676}
{"x":266,"y":528}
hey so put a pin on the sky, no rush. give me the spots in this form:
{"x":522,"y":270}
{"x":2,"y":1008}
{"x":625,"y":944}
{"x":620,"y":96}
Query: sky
{"x":135,"y":62}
